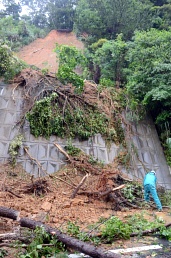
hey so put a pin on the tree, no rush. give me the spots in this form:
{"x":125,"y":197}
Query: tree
{"x":149,"y":72}
{"x":11,"y":8}
{"x":107,"y":18}
{"x":37,"y":10}
{"x":110,"y":58}
{"x":163,"y":20}
{"x":61,"y":14}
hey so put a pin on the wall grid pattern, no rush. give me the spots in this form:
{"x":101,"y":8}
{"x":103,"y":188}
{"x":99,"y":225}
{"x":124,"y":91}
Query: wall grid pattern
{"x":144,"y":139}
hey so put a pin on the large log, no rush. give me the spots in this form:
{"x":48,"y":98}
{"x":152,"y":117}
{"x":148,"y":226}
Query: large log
{"x":9,"y":213}
{"x":69,"y":241}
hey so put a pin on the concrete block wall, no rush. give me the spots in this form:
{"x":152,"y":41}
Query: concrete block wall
{"x":144,"y":139}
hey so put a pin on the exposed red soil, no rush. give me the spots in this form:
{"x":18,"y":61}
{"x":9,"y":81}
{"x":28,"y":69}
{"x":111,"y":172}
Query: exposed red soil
{"x":40,"y":52}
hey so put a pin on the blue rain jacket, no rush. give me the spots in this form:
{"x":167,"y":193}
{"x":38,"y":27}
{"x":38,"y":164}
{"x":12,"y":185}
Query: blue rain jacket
{"x":150,"y":178}
{"x":150,"y":189}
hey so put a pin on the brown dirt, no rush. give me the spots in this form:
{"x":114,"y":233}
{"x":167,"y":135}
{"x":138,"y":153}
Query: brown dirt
{"x":55,"y":206}
{"x":40,"y":52}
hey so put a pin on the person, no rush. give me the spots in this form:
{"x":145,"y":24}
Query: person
{"x":149,"y":183}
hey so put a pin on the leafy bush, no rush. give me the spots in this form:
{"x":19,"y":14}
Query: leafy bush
{"x":132,"y":190}
{"x":114,"y":228}
{"x":72,"y":150}
{"x":165,"y":233}
{"x":10,"y":65}
{"x":43,"y":245}
{"x":5,"y":58}
{"x":66,"y":75}
{"x":74,"y":230}
{"x":14,"y":147}
{"x":70,"y":58}
{"x":46,"y":118}
{"x":18,"y":32}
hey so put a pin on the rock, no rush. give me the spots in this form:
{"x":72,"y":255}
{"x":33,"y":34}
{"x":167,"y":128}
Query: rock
{"x":46,"y":206}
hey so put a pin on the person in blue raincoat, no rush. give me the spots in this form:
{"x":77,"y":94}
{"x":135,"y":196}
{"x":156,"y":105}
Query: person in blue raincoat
{"x":149,"y":183}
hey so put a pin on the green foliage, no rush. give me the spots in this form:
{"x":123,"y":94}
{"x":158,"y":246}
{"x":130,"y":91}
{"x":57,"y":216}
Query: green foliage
{"x":109,"y":56}
{"x":69,"y":55}
{"x":42,"y":245}
{"x":149,"y":67}
{"x":5,"y":58}
{"x":72,"y":150}
{"x":148,"y":74}
{"x":165,"y":197}
{"x":114,"y":228}
{"x":70,"y":58}
{"x":10,"y":65}
{"x":61,"y":14}
{"x":106,"y":19}
{"x":14,"y":147}
{"x":132,"y":191}
{"x":3,"y":253}
{"x":66,"y":75}
{"x":18,"y":33}
{"x":165,"y":233}
{"x":47,"y":118}
{"x":74,"y":230}
{"x":106,"y":82}
{"x":139,"y":223}
{"x":45,"y":71}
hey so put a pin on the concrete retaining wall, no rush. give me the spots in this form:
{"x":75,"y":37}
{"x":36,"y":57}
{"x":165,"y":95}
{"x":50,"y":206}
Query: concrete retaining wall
{"x":144,"y":138}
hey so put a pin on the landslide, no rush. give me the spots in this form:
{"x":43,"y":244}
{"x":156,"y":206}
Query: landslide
{"x":40,"y":52}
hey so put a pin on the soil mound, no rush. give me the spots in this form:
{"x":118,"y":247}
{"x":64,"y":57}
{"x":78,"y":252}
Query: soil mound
{"x":40,"y":52}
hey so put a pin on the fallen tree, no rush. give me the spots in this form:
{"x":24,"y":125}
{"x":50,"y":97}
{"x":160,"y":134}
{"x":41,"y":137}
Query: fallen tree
{"x":69,"y":241}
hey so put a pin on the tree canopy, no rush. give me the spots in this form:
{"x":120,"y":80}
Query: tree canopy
{"x":107,"y":18}
{"x":149,"y":71}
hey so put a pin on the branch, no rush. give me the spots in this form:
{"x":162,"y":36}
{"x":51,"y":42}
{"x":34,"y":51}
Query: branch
{"x":149,"y":231}
{"x":9,"y":191}
{"x":63,"y":152}
{"x":101,"y":194}
{"x":79,"y":185}
{"x":36,"y":161}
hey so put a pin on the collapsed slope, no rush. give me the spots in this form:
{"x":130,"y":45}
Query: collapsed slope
{"x":40,"y":52}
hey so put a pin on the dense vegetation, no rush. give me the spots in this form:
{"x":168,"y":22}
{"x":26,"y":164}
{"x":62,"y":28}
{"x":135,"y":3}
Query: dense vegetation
{"x":127,"y":46}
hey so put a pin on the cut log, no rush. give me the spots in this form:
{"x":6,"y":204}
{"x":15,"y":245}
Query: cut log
{"x":14,"y":236}
{"x":69,"y":241}
{"x":9,"y":213}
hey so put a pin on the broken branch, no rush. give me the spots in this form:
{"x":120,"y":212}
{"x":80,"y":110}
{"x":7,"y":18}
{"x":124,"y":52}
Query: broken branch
{"x":79,"y":185}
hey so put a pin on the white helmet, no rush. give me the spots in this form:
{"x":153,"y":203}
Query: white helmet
{"x":153,"y":172}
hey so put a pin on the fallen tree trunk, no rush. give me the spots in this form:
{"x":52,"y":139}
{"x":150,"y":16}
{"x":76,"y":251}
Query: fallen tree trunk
{"x":9,"y":213}
{"x":69,"y":241}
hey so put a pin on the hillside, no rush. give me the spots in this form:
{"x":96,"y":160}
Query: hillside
{"x":40,"y":52}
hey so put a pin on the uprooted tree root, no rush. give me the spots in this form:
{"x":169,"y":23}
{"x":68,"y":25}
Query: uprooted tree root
{"x":38,"y":187}
{"x":37,"y":86}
